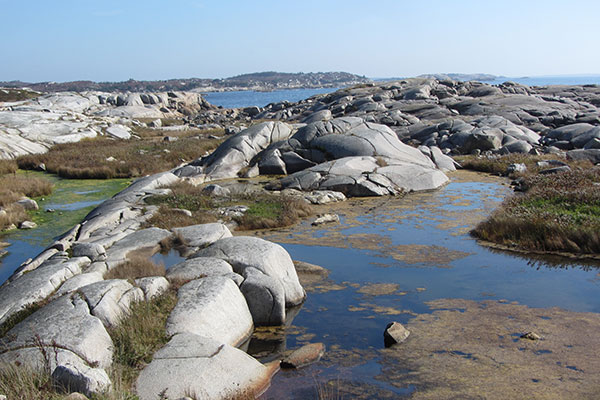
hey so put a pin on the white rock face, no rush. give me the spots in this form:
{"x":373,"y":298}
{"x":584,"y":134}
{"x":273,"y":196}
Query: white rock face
{"x":152,"y":286}
{"x":65,"y":322}
{"x":37,"y":284}
{"x":202,"y":235}
{"x":78,"y":377}
{"x":269,"y":258}
{"x":110,"y":300}
{"x":199,"y":267}
{"x":212,"y":307}
{"x":205,"y":368}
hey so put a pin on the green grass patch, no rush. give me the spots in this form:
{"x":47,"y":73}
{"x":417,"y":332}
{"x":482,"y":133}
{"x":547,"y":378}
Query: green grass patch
{"x":140,"y":335}
{"x":559,"y":212}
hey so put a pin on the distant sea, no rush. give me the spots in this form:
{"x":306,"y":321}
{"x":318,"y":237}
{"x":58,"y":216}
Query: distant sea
{"x":248,"y":98}
{"x":550,"y":80}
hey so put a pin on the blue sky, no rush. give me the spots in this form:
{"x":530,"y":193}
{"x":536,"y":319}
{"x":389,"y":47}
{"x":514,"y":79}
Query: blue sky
{"x":108,"y":40}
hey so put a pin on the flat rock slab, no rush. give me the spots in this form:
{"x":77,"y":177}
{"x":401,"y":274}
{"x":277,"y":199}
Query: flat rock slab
{"x":202,"y":235}
{"x":142,"y":239}
{"x":204,"y":368}
{"x":37,"y":284}
{"x":305,"y":355}
{"x":200,"y":267}
{"x":66,"y":324}
{"x":212,"y":307}
{"x":269,"y":258}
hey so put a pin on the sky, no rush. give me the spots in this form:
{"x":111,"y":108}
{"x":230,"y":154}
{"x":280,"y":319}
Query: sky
{"x":65,"y":40}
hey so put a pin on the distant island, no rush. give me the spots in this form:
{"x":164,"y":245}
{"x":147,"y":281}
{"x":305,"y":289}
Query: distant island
{"x":259,"y":81}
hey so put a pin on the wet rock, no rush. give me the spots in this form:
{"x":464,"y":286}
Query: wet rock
{"x":531,"y":336}
{"x":326,"y":219}
{"x":27,"y":225}
{"x":305,"y":355}
{"x":395,"y":333}
{"x":204,"y":367}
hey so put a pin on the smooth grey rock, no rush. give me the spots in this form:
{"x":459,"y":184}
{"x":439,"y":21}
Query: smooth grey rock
{"x":272,"y":164}
{"x":324,"y":196}
{"x":519,"y":146}
{"x":78,"y":377}
{"x":93,"y":251}
{"x":119,"y":131}
{"x":216,"y":190}
{"x":78,"y":281}
{"x":326,"y":219}
{"x":395,"y":333}
{"x":200,"y":267}
{"x":28,"y":204}
{"x":212,"y":307}
{"x":323,"y":115}
{"x":204,"y":367}
{"x":202,"y":235}
{"x":143,"y":239}
{"x":265,"y":297}
{"x":85,"y":338}
{"x":592,"y":155}
{"x":110,"y":300}
{"x":152,"y":286}
{"x":37,"y":284}
{"x":269,"y":258}
{"x":442,"y":161}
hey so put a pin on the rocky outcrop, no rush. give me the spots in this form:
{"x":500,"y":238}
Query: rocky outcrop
{"x":269,"y":258}
{"x":35,"y":125}
{"x":346,"y":155}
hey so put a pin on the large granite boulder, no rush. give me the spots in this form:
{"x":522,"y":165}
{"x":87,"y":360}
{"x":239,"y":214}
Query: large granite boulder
{"x":110,"y":300}
{"x":211,"y":307}
{"x":269,"y":258}
{"x":202,"y":235}
{"x":204,"y":368}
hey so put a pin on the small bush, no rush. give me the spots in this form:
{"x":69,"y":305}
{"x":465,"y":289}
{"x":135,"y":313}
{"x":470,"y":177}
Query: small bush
{"x":8,"y":167}
{"x":137,"y":266}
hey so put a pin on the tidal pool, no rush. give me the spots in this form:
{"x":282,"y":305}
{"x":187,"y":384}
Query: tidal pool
{"x":71,"y":200}
{"x":401,"y":259}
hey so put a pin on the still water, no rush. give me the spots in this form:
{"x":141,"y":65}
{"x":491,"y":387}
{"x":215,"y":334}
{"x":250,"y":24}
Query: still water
{"x":387,"y":258}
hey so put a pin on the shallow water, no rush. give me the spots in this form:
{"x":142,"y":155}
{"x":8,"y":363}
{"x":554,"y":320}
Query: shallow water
{"x":248,"y":98}
{"x":420,"y":248}
{"x":71,"y":200}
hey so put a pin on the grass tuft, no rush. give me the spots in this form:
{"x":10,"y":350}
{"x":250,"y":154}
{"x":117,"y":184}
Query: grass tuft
{"x":270,"y":211}
{"x":140,"y":335}
{"x":137,"y":266}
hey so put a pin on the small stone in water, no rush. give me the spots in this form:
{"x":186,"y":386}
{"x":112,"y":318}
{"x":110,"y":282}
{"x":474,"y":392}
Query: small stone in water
{"x":531,"y":336}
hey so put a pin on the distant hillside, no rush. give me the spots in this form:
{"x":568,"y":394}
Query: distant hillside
{"x":255,"y":81}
